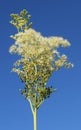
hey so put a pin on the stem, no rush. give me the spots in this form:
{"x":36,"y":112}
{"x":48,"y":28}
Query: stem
{"x":34,"y":112}
{"x":31,"y":106}
{"x":35,"y":118}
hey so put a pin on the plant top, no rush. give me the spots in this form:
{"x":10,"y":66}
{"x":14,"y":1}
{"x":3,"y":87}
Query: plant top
{"x":39,"y":58}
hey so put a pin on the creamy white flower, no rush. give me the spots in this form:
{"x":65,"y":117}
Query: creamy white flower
{"x":36,"y":50}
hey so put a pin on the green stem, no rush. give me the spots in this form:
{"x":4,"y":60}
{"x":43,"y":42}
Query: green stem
{"x":34,"y":112}
{"x":35,"y":118}
{"x":31,"y":105}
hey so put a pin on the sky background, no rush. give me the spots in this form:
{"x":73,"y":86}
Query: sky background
{"x":62,"y":111}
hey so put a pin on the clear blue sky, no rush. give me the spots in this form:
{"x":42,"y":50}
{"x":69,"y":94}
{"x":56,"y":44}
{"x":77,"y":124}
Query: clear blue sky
{"x":62,"y":111}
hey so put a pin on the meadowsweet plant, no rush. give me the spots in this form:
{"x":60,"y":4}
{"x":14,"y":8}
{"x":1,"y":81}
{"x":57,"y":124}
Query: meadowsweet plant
{"x":39,"y":58}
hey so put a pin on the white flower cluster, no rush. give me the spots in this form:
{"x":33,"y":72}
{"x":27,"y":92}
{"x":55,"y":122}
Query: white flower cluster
{"x":39,"y":55}
{"x":31,"y":43}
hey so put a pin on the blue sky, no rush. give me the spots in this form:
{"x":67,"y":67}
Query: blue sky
{"x":62,"y":111}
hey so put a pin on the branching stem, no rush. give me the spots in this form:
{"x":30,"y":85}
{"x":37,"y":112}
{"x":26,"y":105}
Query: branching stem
{"x":34,"y":112}
{"x":35,"y":118}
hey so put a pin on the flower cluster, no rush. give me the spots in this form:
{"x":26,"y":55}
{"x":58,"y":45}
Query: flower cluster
{"x":39,"y":58}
